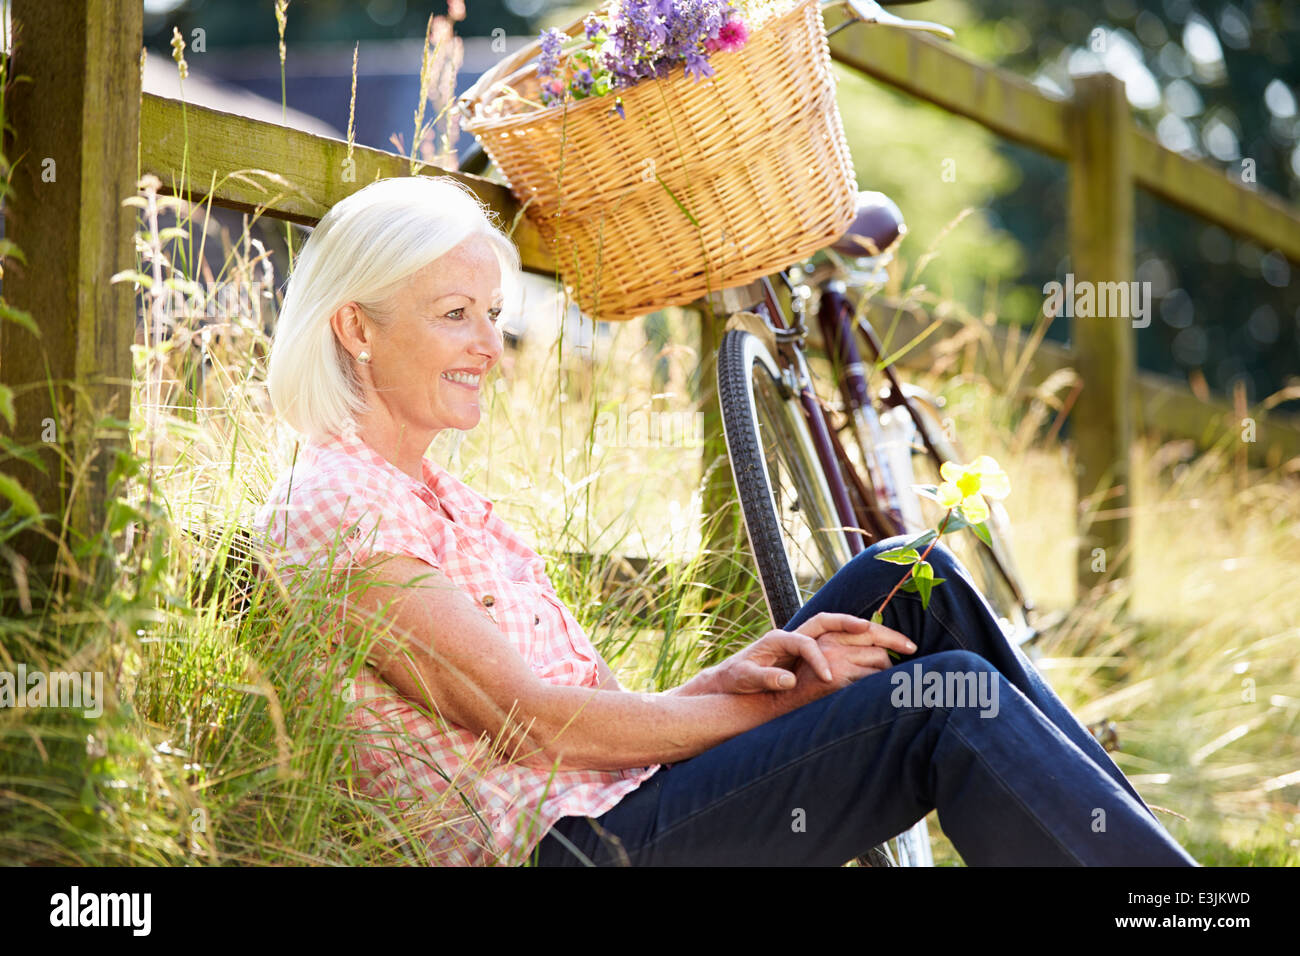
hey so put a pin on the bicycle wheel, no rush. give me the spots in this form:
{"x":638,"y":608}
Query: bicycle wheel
{"x":790,"y":518}
{"x":794,"y":530}
{"x":992,"y":566}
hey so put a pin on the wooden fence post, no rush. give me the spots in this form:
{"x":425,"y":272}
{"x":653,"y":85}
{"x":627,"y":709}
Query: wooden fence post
{"x":74,"y":145}
{"x":1101,"y":226}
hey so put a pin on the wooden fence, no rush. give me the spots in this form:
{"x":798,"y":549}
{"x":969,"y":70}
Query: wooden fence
{"x":84,"y":102}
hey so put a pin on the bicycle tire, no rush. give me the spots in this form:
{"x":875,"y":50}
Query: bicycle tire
{"x":763,"y":428}
{"x":743,"y":360}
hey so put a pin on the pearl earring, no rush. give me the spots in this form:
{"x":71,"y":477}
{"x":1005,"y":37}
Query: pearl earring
{"x":363,"y":358}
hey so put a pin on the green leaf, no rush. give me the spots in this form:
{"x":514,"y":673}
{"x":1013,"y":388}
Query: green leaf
{"x":923,"y":586}
{"x":7,"y":404}
{"x":923,"y":570}
{"x":927,"y":491}
{"x":903,"y":555}
{"x":877,"y":618}
{"x":88,"y":796}
{"x":19,"y":316}
{"x":909,"y":586}
{"x":8,"y":250}
{"x":131,"y":275}
{"x":956,"y":521}
{"x":27,"y":454}
{"x":922,"y":539}
{"x":24,"y":503}
{"x":685,"y":212}
{"x":982,"y":532}
{"x":120,"y":514}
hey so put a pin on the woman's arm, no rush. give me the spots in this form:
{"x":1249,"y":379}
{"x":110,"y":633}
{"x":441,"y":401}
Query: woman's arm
{"x":445,"y":652}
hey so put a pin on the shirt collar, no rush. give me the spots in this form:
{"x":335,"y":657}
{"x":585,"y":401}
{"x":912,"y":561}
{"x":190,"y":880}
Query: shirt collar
{"x":439,"y":487}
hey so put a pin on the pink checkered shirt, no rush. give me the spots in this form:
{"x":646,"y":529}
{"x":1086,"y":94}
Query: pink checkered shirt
{"x":472,"y":808}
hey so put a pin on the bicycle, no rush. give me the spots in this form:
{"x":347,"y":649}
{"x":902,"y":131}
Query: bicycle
{"x":808,"y":505}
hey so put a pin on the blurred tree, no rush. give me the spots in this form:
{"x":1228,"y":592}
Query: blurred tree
{"x":1216,"y":80}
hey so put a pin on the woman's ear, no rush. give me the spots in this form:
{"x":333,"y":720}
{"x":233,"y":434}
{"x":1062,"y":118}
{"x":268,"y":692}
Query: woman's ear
{"x":351,"y":329}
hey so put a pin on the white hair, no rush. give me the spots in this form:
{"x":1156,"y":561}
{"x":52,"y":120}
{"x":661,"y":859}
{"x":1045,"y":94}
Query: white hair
{"x":363,"y":250}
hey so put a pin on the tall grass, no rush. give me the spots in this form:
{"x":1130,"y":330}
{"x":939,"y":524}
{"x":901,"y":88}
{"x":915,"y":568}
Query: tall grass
{"x":221,"y":743}
{"x":221,"y":746}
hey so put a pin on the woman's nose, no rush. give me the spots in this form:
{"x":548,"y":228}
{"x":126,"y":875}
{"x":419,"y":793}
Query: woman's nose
{"x":489,"y":342}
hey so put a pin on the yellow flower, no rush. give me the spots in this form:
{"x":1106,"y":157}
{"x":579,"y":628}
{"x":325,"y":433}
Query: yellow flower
{"x":966,"y":486}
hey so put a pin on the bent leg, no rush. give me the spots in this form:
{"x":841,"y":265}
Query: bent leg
{"x":822,"y":784}
{"x":958,"y":618}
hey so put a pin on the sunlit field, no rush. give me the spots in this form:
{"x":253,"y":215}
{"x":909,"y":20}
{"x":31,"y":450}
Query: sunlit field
{"x":222,"y":745}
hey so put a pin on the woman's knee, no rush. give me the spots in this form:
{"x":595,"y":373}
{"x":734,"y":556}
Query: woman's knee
{"x":940,"y":669}
{"x":955,"y":661}
{"x":939,"y":555}
{"x":957,"y":681}
{"x":945,"y":564}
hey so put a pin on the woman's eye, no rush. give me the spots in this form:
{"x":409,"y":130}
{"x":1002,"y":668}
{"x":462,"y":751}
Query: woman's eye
{"x":494,"y":314}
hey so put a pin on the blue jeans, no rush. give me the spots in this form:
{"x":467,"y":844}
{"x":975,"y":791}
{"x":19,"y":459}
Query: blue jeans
{"x":1016,"y":779}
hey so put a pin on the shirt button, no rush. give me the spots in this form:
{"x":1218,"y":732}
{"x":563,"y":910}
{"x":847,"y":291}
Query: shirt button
{"x":488,"y":600}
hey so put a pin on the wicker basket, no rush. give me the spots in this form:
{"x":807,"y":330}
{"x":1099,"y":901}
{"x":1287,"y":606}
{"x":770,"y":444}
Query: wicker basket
{"x":756,"y":154}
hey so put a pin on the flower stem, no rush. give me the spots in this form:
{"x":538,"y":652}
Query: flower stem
{"x":912,"y":570}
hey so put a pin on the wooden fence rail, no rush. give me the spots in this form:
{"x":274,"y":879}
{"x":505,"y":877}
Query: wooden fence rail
{"x":84,"y":102}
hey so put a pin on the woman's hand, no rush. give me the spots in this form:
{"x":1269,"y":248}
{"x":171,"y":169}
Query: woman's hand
{"x":830,"y":650}
{"x":768,"y":664}
{"x":854,"y":647}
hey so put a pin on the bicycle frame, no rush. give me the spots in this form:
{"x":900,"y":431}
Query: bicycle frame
{"x":830,"y":453}
{"x":880,"y":510}
{"x":836,"y":315}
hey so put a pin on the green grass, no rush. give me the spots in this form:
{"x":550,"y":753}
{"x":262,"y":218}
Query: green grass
{"x":222,"y":744}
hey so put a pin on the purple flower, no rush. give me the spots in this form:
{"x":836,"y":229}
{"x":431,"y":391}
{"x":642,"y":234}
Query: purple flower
{"x":648,"y":39}
{"x":549,"y":61}
{"x":644,"y":23}
{"x":698,"y":64}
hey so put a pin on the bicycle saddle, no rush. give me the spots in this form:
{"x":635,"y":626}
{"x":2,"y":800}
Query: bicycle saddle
{"x":876,"y":229}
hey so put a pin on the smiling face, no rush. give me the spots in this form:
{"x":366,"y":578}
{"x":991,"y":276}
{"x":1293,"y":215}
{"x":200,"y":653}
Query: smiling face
{"x":429,"y":355}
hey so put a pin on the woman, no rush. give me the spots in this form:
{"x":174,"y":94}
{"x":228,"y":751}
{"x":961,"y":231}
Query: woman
{"x":490,"y":715}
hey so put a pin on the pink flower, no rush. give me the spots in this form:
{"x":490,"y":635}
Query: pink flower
{"x":732,"y":36}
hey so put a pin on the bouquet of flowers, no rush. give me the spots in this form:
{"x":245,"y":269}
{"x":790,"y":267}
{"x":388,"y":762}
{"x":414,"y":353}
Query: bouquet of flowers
{"x":645,"y":39}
